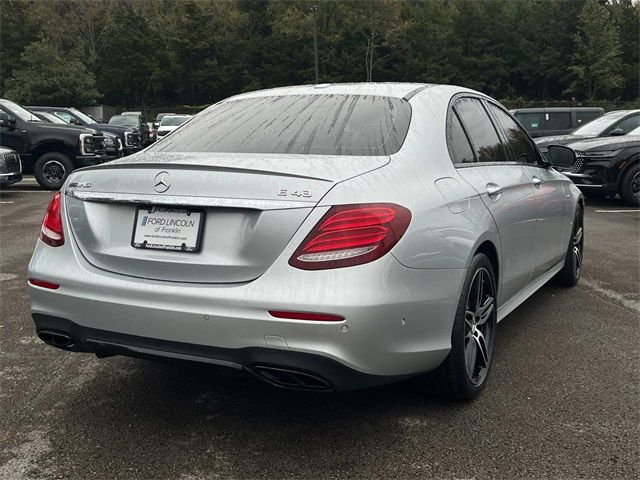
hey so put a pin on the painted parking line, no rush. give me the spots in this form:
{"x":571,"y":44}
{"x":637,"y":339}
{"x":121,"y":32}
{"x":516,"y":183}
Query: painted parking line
{"x":5,"y":202}
{"x":617,"y":211}
{"x":27,"y":191}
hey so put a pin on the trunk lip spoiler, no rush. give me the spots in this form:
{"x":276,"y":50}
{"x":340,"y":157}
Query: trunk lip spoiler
{"x":187,"y":166}
{"x":184,"y":201}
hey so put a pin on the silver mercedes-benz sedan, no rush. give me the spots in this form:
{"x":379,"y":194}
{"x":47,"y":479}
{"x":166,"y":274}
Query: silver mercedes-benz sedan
{"x":319,"y":237}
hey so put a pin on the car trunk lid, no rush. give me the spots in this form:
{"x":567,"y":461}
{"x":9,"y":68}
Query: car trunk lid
{"x":252,"y":205}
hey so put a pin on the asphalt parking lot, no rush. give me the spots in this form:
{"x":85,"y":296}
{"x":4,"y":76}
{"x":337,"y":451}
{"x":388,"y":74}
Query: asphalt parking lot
{"x":563,"y":400}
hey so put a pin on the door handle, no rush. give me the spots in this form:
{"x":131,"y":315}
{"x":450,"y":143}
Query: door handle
{"x":537,"y":181}
{"x":493,"y":189}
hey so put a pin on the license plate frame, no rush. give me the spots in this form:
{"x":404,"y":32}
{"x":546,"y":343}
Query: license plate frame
{"x":168,"y":210}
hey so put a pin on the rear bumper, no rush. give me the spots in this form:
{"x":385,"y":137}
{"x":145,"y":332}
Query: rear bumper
{"x":282,"y":368}
{"x":397,"y":320}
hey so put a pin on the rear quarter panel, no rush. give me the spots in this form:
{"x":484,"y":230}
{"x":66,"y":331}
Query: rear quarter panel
{"x":449,"y":221}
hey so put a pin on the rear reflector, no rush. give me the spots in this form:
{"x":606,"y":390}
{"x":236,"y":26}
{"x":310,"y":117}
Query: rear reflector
{"x":317,"y":317}
{"x":352,"y":235}
{"x":51,"y":231}
{"x":44,"y":284}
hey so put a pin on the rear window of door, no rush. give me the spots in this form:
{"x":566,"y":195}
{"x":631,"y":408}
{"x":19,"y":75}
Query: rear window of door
{"x":457,"y":141}
{"x":517,"y":141}
{"x":533,"y":122}
{"x":297,"y":124}
{"x":585,"y":117}
{"x":482,"y":133}
{"x":557,"y":121}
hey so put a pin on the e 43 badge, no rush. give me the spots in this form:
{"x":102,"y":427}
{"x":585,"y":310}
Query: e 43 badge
{"x":283,"y":192}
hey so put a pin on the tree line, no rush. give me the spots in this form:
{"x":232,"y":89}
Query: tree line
{"x":195,"y":52}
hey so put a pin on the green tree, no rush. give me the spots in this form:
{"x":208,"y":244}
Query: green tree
{"x":626,"y":14}
{"x":381,"y":26}
{"x":82,"y":25}
{"x":50,"y":76}
{"x":128,"y":65}
{"x":17,"y":29}
{"x":597,"y":66}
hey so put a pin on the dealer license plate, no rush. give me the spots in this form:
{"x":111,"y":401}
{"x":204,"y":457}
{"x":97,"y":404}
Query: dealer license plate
{"x":168,"y":228}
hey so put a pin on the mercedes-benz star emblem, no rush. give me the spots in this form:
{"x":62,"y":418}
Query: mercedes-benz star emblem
{"x":162,"y":182}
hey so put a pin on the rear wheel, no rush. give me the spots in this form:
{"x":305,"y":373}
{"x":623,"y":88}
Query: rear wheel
{"x":463,"y":374}
{"x":630,"y":186}
{"x":570,"y":273}
{"x":52,"y":169}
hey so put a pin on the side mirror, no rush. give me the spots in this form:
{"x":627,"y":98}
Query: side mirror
{"x":561,"y":156}
{"x":73,"y":121}
{"x":616,"y":132}
{"x":6,"y":121}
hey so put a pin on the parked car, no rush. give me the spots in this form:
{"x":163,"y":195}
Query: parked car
{"x":112,"y":144}
{"x":52,"y":151}
{"x":611,"y":124}
{"x":543,"y":122}
{"x":129,"y":137}
{"x":606,"y":166}
{"x":135,"y":120}
{"x":159,"y":118}
{"x":334,"y":238}
{"x":170,"y":122}
{"x":10,"y":167}
{"x":48,"y":117}
{"x":153,"y":132}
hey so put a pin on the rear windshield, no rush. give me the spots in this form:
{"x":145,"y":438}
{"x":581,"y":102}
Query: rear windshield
{"x":171,"y":121}
{"x":600,"y":124}
{"x":296,"y":124}
{"x":126,"y":120}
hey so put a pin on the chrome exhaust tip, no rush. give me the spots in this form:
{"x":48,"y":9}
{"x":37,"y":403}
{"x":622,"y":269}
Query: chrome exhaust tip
{"x":56,"y":339}
{"x":292,"y":379}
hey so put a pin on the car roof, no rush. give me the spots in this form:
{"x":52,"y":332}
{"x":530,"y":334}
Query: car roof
{"x":40,"y":107}
{"x":385,"y":89}
{"x":623,"y":111}
{"x":556,"y":109}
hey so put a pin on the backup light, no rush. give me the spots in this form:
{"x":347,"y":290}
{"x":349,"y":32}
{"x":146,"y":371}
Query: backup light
{"x":350,"y":235}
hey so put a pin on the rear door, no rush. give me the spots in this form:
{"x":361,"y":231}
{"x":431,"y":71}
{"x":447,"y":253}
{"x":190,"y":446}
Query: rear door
{"x":558,"y":123}
{"x":549,"y":244}
{"x":505,"y":188}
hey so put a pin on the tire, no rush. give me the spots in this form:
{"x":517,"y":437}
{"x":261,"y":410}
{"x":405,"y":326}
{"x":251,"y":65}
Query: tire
{"x":570,"y":273}
{"x":463,"y":374}
{"x":630,"y":186}
{"x":52,"y":169}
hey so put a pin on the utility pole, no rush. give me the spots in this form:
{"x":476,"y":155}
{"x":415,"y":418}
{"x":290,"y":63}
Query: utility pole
{"x":315,"y":40}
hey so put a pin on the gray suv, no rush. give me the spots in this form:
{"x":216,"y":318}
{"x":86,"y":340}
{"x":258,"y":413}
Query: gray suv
{"x":541,"y":122}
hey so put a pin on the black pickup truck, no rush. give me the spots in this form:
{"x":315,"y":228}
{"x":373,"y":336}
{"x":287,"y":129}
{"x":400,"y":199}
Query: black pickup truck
{"x":129,"y":136}
{"x":51,"y":151}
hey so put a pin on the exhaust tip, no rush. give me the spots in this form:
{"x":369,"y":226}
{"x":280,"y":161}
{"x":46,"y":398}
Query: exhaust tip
{"x":292,"y":379}
{"x":56,"y":339}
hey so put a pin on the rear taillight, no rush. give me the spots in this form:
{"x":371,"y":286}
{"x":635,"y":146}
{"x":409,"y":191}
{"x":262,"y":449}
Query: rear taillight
{"x":352,"y":235}
{"x":51,"y":231}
